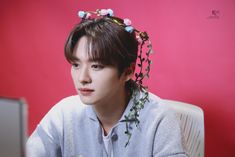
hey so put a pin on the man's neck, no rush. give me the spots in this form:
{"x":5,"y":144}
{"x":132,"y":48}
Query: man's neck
{"x":110,"y":113}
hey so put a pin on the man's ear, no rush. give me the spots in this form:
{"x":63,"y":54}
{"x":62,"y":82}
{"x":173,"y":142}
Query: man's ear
{"x":129,"y":72}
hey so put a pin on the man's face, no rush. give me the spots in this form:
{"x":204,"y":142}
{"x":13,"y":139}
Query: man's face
{"x":95,"y":83}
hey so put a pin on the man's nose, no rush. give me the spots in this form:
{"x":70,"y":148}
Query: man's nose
{"x":84,"y":76}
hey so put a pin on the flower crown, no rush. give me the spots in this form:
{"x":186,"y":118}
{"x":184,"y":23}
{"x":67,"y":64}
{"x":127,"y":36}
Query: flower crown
{"x":142,"y":38}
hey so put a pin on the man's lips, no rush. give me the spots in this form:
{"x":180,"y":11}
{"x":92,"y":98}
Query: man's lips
{"x":85,"y":91}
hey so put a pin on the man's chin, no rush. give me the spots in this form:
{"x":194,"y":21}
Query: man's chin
{"x":86,"y":101}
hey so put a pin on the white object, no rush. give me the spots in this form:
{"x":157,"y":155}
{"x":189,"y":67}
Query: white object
{"x":13,"y":126}
{"x":191,"y":119}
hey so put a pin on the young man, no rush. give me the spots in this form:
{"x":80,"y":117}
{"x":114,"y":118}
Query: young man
{"x":112,"y":115}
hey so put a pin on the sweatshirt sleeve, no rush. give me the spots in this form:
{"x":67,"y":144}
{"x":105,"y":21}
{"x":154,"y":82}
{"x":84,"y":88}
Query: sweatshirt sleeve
{"x":45,"y":140}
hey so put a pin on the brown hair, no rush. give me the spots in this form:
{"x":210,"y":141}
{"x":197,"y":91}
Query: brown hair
{"x":110,"y":43}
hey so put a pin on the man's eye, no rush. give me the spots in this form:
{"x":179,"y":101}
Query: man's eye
{"x":97,"y":66}
{"x":75,"y":65}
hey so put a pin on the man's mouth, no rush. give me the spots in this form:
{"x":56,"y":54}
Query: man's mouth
{"x":85,"y":91}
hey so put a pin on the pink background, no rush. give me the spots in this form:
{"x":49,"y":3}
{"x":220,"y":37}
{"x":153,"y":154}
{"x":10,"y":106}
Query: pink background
{"x":193,"y":62}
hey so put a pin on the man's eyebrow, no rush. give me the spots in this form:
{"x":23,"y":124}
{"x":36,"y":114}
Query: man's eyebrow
{"x":89,"y":60}
{"x":75,"y":60}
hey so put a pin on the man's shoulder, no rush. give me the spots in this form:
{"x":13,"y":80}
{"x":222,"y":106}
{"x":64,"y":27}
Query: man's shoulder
{"x":156,"y":106}
{"x":155,"y":100}
{"x":70,"y":103}
{"x":70,"y":100}
{"x":66,"y":109}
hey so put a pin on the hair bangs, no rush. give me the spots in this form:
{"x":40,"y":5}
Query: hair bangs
{"x":98,"y":51}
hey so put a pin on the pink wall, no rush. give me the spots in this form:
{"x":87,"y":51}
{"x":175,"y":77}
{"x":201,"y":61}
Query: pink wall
{"x":193,"y":60}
